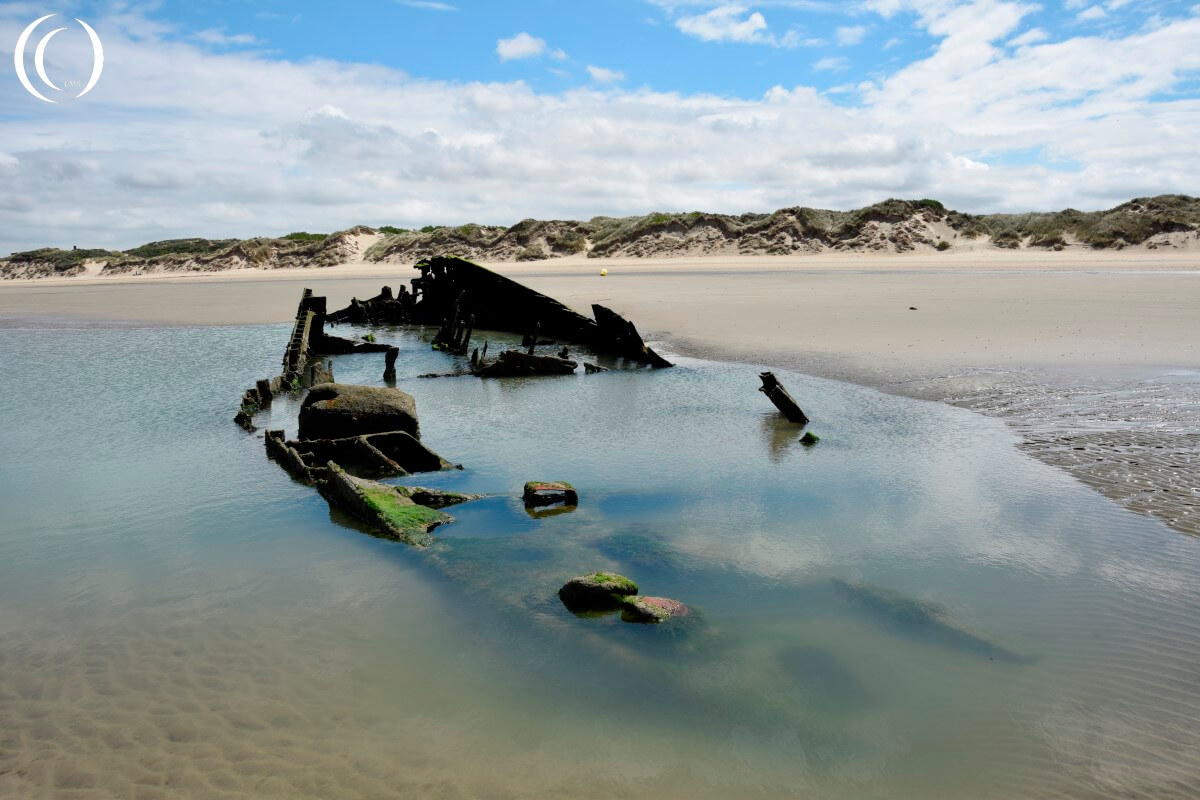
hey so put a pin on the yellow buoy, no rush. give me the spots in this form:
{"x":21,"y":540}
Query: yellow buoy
{"x":603,"y":272}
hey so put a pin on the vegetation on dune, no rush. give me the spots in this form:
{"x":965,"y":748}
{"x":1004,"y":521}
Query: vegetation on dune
{"x":179,"y":247}
{"x":59,"y":260}
{"x":1008,"y":238}
{"x":532,"y":254}
{"x":569,"y":242}
{"x":1127,"y":224}
{"x":890,"y":226}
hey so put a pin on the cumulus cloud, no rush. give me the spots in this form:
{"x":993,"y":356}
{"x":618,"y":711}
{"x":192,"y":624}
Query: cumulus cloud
{"x":428,"y":5}
{"x":1030,"y":36}
{"x":603,"y":75}
{"x":220,"y":38}
{"x":179,"y":139}
{"x":851,"y":34}
{"x":733,"y":23}
{"x":831,"y":64}
{"x":525,"y":46}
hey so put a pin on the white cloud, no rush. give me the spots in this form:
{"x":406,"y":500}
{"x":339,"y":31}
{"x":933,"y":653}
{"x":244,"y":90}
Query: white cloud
{"x":428,"y":5}
{"x":525,"y":46}
{"x":733,"y":23}
{"x":831,"y":64}
{"x":180,"y":140}
{"x":1031,"y":36}
{"x":851,"y":34}
{"x":219,"y":38}
{"x":1095,"y":12}
{"x":603,"y":75}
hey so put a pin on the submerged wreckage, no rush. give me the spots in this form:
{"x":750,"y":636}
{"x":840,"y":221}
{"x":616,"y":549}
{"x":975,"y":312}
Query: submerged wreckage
{"x":460,"y":297}
{"x":351,"y":436}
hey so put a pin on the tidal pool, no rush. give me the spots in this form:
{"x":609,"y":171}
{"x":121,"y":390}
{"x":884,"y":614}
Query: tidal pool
{"x":910,"y":609}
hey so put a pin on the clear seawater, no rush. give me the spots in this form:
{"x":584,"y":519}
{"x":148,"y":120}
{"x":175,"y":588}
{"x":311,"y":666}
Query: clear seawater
{"x":178,"y":618}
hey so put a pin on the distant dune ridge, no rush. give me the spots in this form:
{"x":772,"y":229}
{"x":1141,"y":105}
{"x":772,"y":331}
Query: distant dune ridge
{"x":893,"y":226}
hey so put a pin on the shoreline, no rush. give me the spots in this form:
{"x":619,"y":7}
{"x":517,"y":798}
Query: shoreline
{"x":1077,"y":259}
{"x":1092,"y":362}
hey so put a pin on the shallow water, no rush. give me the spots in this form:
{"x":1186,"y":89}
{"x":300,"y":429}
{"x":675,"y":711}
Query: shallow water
{"x":910,"y":609}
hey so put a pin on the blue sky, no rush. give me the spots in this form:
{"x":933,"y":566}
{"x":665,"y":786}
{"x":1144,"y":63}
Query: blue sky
{"x":234,"y":118}
{"x":739,"y":49}
{"x":661,"y":45}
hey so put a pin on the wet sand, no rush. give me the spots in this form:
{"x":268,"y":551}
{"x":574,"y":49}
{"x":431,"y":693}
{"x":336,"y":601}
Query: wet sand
{"x":1092,"y":356}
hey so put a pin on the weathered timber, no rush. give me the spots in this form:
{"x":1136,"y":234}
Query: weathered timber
{"x":778,"y":395}
{"x":596,"y":591}
{"x":622,"y":337}
{"x":389,"y":363}
{"x":265,"y":393}
{"x":637,"y":608}
{"x":387,"y":510}
{"x":548,"y":493}
{"x":337,"y":410}
{"x":498,"y":303}
{"x":514,"y":363}
{"x":287,"y":457}
{"x":384,"y":308}
{"x":460,"y":296}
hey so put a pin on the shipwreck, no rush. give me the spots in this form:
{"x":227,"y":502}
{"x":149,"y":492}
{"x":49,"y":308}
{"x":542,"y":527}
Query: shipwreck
{"x":351,"y":436}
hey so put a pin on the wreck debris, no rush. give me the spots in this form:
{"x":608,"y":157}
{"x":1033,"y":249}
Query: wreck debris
{"x":459,"y":373}
{"x":379,"y":455}
{"x":635,"y":608}
{"x":591,"y":368}
{"x":809,"y":439}
{"x":596,"y":591}
{"x":497,"y":302}
{"x":337,"y":411}
{"x":389,"y":363}
{"x":917,"y":618}
{"x":544,"y":512}
{"x":391,"y":511}
{"x":455,"y":334}
{"x":599,"y":593}
{"x":303,"y":364}
{"x":531,"y":339}
{"x":350,"y":433}
{"x":437,"y":498}
{"x":514,"y":363}
{"x":265,"y":395}
{"x":288,"y":458}
{"x":778,"y":395}
{"x":384,"y":308}
{"x":459,"y":296}
{"x":622,"y":337}
{"x":549,"y":493}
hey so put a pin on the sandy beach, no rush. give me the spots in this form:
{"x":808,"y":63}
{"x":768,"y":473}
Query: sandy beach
{"x":1092,"y":357}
